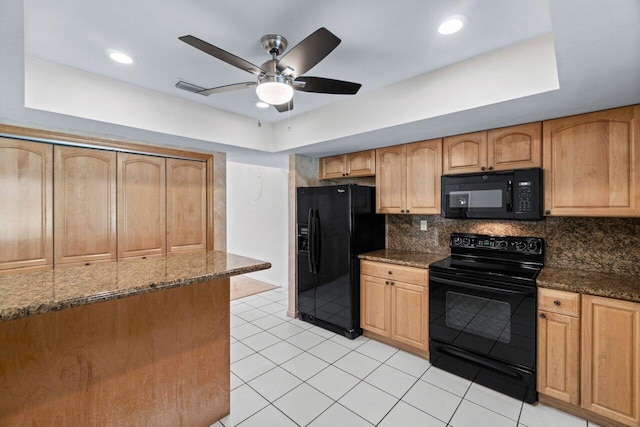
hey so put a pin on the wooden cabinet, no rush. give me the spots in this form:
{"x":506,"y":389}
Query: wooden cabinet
{"x":592,"y":164}
{"x":85,"y":205}
{"x":513,"y":147}
{"x":352,"y":165}
{"x":394,"y":304}
{"x":186,"y":205}
{"x":559,"y":345}
{"x":26,"y":215}
{"x":141,"y":205}
{"x":611,"y":358}
{"x":408,"y":178}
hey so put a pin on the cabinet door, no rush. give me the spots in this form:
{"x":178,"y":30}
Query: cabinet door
{"x":85,"y":205}
{"x":391,"y":182}
{"x":362,"y":163}
{"x":592,"y":164}
{"x":515,"y":147}
{"x":142,"y":228}
{"x":186,"y":205}
{"x":26,"y":214}
{"x":465,"y":153}
{"x":374,"y":305}
{"x":559,"y":356}
{"x":332,"y":167}
{"x":424,"y":167}
{"x":410,"y":314}
{"x":611,"y":358}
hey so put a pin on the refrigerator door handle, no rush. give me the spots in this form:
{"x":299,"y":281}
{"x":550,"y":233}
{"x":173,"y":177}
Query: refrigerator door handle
{"x":311,"y":240}
{"x":316,"y":240}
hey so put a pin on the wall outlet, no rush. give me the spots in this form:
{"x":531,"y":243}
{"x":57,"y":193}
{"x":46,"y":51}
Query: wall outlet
{"x":423,"y":225}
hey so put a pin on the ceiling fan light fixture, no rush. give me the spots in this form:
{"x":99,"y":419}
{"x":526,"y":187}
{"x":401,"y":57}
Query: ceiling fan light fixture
{"x":274,"y":93}
{"x":453,"y":24}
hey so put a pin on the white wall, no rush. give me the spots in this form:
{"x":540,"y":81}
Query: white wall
{"x":257,"y":217}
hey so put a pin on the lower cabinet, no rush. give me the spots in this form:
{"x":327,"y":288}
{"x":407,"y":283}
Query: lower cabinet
{"x":559,"y":345}
{"x":611,"y":358}
{"x":589,"y":355}
{"x":395,"y":305}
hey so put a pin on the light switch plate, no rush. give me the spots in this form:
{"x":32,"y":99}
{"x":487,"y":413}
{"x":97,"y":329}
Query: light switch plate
{"x":423,"y":225}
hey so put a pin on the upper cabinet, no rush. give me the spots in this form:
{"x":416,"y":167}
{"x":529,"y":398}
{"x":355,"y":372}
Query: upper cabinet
{"x":513,"y":147}
{"x":592,"y":164}
{"x":141,"y":206}
{"x":408,"y":178}
{"x":85,"y":205}
{"x":186,"y":205}
{"x":26,"y":215}
{"x":352,"y":165}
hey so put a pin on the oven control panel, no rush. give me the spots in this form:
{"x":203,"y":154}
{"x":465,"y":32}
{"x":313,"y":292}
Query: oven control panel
{"x":528,"y":245}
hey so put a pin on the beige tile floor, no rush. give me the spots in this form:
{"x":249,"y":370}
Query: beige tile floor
{"x":285,"y":372}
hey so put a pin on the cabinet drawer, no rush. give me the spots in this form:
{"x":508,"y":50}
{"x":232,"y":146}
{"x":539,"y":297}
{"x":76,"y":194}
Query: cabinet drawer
{"x":401,"y":273}
{"x":559,"y":302}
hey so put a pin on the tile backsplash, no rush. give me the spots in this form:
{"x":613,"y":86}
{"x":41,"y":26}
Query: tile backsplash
{"x":609,"y":245}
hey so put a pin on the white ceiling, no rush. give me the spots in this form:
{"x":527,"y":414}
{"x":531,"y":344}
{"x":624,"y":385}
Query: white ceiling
{"x":596,"y":48}
{"x":382,"y":42}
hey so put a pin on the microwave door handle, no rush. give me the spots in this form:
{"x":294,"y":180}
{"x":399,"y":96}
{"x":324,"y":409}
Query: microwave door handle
{"x":481,"y":287}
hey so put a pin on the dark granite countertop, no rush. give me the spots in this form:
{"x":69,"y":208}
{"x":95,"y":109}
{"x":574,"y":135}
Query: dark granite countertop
{"x":591,"y":283}
{"x":408,"y":258}
{"x":26,"y":294}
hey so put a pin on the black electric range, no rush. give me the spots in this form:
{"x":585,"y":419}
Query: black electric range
{"x":482,"y":311}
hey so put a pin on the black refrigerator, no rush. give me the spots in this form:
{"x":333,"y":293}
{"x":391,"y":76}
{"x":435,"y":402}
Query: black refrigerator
{"x":334,"y":225}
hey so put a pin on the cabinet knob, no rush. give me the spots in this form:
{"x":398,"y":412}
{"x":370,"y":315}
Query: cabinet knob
{"x":389,"y":271}
{"x":543,"y":316}
{"x":144,"y":257}
{"x":87,"y":263}
{"x":402,"y":211}
{"x":386,"y":283}
{"x":483,"y":168}
{"x":556,"y":302}
{"x":407,"y":210}
{"x":346,"y":174}
{"x":391,"y":283}
{"x":490,"y":168}
{"x":547,"y":212}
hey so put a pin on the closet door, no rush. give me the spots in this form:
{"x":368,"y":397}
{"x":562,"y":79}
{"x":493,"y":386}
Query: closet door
{"x":26,"y":214}
{"x":85,"y":205}
{"x":142,"y":215}
{"x":186,"y":205}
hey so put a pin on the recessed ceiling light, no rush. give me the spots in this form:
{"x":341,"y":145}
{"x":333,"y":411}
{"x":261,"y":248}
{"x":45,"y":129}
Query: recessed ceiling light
{"x":452,"y":24}
{"x":120,"y":57}
{"x":261,"y":104}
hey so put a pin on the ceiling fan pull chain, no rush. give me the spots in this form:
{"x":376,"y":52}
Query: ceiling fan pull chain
{"x":289,"y":117}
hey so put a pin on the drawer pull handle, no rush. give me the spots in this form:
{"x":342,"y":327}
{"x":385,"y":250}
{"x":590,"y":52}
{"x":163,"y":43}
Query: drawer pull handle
{"x":556,"y":302}
{"x":543,"y":316}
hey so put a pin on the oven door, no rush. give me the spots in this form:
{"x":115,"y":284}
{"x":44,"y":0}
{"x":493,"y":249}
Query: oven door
{"x":484,"y":331}
{"x":492,"y":320}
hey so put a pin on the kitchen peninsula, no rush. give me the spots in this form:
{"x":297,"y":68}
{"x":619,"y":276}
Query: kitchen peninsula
{"x":140,"y":342}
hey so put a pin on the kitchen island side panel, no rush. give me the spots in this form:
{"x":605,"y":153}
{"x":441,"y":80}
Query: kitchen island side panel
{"x":158,"y":358}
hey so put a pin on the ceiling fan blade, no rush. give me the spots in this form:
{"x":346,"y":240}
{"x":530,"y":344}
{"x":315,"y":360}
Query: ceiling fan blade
{"x":284,"y":107}
{"x":306,"y":54}
{"x":221,"y":54}
{"x":227,"y":88}
{"x":323,"y":85}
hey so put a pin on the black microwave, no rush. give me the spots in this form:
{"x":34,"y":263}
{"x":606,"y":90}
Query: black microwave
{"x":515,"y":194}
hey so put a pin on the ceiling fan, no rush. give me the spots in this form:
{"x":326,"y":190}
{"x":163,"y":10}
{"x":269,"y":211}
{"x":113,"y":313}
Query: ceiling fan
{"x":278,"y":78}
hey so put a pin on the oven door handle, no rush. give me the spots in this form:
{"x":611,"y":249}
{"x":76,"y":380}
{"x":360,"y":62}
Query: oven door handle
{"x":527,"y":291}
{"x":467,"y":357}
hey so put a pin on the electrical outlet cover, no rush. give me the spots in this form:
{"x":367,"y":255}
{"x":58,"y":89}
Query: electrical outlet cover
{"x":423,"y":224}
